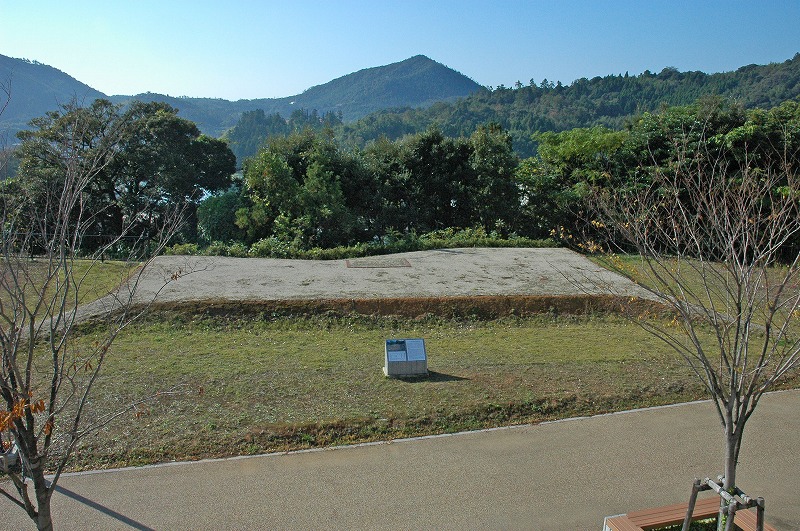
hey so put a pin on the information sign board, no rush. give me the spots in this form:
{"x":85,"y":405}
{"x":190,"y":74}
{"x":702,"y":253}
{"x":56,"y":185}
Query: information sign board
{"x":405,"y":357}
{"x":415,"y":350}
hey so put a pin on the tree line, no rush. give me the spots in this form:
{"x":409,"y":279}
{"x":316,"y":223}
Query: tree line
{"x":147,"y":161}
{"x":572,"y":165}
{"x":305,"y":190}
{"x":255,"y":127}
{"x":611,"y":101}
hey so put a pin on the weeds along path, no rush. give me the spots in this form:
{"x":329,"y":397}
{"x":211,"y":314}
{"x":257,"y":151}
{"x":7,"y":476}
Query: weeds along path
{"x":488,"y":281}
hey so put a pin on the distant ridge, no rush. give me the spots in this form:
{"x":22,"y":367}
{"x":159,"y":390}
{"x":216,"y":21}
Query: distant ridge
{"x":397,"y":99}
{"x":37,"y":88}
{"x":415,"y":82}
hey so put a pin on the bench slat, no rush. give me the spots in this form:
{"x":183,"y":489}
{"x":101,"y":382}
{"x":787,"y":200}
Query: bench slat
{"x":674,"y":514}
{"x":746,"y":521}
{"x":621,"y":523}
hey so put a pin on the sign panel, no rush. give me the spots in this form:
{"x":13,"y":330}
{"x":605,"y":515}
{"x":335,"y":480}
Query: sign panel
{"x":415,"y":349}
{"x":396,"y":350}
{"x":398,"y":355}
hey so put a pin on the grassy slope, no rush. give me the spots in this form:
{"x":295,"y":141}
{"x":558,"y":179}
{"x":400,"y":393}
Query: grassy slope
{"x":253,"y":385}
{"x":257,"y":386}
{"x":96,"y":278}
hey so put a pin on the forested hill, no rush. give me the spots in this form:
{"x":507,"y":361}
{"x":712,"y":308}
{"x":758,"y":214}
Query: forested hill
{"x":418,"y":81}
{"x":415,"y":82}
{"x":608,"y":101}
{"x":36,"y":88}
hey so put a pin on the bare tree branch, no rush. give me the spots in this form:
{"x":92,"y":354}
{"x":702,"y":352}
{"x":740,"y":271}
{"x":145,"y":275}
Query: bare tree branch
{"x":46,"y":381}
{"x":712,"y":231}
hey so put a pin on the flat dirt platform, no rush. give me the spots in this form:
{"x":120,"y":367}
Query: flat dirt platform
{"x":551,"y":278}
{"x":440,"y":273}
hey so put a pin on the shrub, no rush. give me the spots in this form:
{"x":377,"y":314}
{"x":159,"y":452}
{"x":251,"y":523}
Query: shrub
{"x":238,"y":250}
{"x":216,"y":249}
{"x":183,"y":249}
{"x":390,"y":243}
{"x":272,"y":248}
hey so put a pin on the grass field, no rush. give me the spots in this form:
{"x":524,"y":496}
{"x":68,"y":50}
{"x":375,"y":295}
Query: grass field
{"x":259,"y":384}
{"x":255,"y":386}
{"x":719,"y":288}
{"x":96,"y":279}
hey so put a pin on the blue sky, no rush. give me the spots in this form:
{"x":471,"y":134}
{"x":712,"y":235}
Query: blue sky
{"x":252,"y":49}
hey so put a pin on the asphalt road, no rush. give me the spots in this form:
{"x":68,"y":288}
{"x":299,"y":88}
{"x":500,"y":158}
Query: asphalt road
{"x":560,"y":476}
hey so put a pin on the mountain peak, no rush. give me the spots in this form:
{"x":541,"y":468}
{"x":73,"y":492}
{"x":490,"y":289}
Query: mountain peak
{"x":417,"y":81}
{"x":414,"y":82}
{"x":37,"y":88}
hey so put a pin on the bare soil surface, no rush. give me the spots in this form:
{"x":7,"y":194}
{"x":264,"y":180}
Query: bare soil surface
{"x":500,"y":280}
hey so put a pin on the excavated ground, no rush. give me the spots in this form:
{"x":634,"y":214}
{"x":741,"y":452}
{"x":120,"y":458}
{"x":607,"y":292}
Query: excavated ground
{"x":476,"y":282}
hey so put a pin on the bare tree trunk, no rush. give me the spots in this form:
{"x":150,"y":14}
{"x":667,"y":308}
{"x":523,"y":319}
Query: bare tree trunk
{"x":38,"y":306}
{"x":44,"y":520}
{"x":734,"y":430}
{"x":724,"y":523}
{"x":715,"y":232}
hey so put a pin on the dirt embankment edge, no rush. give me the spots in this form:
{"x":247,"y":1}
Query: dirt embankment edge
{"x":480,"y":307}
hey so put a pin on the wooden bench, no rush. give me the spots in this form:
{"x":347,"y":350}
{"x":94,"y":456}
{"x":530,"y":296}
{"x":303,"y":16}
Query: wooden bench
{"x":647,"y":519}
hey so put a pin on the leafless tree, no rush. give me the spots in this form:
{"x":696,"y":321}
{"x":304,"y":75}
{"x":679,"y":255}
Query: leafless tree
{"x":5,"y":97}
{"x":47,"y":376}
{"x":717,"y":235}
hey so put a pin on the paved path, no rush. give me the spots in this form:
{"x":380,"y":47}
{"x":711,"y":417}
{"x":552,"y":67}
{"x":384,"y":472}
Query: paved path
{"x":559,"y":476}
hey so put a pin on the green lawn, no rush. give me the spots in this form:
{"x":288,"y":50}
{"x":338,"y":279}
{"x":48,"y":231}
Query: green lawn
{"x":251,"y":385}
{"x":265,"y":385}
{"x":101,"y":277}
{"x":96,"y":279}
{"x":715,"y":288}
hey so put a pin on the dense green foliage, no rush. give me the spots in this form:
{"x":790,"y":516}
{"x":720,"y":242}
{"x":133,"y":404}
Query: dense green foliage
{"x":392,"y":243}
{"x":610,"y":101}
{"x":254,"y":127}
{"x":140,"y":164}
{"x":303,"y":191}
{"x":713,"y":134}
{"x":9,"y":163}
{"x":304,"y":194}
